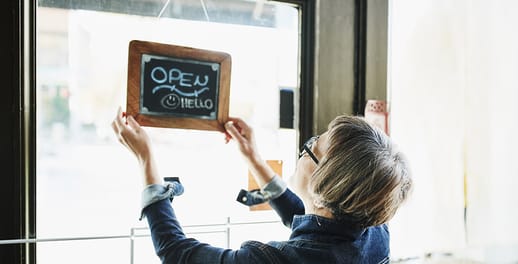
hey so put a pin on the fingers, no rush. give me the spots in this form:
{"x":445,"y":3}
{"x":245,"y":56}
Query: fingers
{"x":132,"y":123}
{"x":115,"y":127}
{"x":232,"y":130}
{"x":121,"y":127}
{"x":117,"y":124}
{"x":240,"y":123}
{"x":228,"y":137}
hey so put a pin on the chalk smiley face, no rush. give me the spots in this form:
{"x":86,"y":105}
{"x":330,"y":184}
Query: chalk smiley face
{"x":170,"y":101}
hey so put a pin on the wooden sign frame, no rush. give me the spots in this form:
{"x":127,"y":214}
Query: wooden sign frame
{"x":134,"y":106}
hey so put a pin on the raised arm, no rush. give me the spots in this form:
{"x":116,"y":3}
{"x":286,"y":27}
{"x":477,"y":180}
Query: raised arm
{"x":134,"y":138}
{"x":244,"y":137}
{"x":283,"y":201}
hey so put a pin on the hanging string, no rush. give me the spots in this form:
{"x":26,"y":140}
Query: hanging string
{"x":205,"y":10}
{"x":203,"y":5}
{"x":163,"y":8}
{"x":166,"y":5}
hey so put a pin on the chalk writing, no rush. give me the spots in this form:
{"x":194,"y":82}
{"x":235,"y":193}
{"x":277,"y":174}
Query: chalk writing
{"x":179,"y":87}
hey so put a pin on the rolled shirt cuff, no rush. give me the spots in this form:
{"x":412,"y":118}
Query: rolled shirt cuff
{"x":272,"y":190}
{"x":275,"y":188}
{"x":158,"y":192}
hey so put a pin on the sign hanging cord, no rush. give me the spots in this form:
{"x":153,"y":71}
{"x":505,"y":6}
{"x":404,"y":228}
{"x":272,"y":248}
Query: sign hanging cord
{"x":203,"y":5}
{"x":163,"y":8}
{"x":205,"y":10}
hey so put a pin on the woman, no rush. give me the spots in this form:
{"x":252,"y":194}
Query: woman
{"x":349,"y":182}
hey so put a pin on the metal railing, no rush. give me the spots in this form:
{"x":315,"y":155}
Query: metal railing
{"x":138,"y":232}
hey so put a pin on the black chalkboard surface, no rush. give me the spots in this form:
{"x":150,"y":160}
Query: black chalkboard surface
{"x":179,"y":87}
{"x":175,"y":86}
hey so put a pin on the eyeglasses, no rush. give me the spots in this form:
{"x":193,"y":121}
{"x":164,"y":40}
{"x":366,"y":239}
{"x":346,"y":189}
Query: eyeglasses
{"x":306,"y":148}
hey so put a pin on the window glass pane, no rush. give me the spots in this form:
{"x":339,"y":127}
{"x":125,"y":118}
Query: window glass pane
{"x":87,"y":183}
{"x":85,"y":251}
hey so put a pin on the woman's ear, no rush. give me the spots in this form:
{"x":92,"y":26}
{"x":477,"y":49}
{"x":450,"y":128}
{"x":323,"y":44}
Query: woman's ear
{"x":321,"y":210}
{"x":317,"y":203}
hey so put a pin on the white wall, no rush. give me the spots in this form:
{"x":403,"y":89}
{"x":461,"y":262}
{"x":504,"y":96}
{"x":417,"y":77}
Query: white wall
{"x":452,"y":84}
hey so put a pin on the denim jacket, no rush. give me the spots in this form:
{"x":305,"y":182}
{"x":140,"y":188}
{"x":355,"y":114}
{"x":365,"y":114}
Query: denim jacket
{"x":314,"y":239}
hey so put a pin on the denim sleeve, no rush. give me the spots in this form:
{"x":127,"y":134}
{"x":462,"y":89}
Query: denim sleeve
{"x":157,"y":192}
{"x":275,"y":188}
{"x":287,"y":205}
{"x":281,"y":199}
{"x":271,"y":190}
{"x":172,"y":246}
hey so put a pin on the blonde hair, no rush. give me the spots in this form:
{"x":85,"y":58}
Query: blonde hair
{"x":362,"y":176}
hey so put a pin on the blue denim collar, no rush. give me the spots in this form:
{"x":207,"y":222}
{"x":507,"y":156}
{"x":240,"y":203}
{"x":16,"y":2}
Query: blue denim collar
{"x":314,"y":227}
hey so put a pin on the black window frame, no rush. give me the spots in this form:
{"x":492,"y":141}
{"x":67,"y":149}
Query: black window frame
{"x":18,"y":115}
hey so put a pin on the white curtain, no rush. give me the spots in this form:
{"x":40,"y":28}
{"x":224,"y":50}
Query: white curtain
{"x":492,"y":129}
{"x":453,"y":80}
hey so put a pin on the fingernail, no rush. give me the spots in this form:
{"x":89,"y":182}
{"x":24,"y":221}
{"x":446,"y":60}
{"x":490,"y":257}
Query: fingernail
{"x":126,"y":122}
{"x":123,"y":114}
{"x":229,"y":124}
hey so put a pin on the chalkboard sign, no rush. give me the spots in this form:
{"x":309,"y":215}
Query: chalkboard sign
{"x":175,"y":86}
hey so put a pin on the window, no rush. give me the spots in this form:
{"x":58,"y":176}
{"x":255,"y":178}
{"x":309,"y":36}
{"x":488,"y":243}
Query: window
{"x":88,"y":185}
